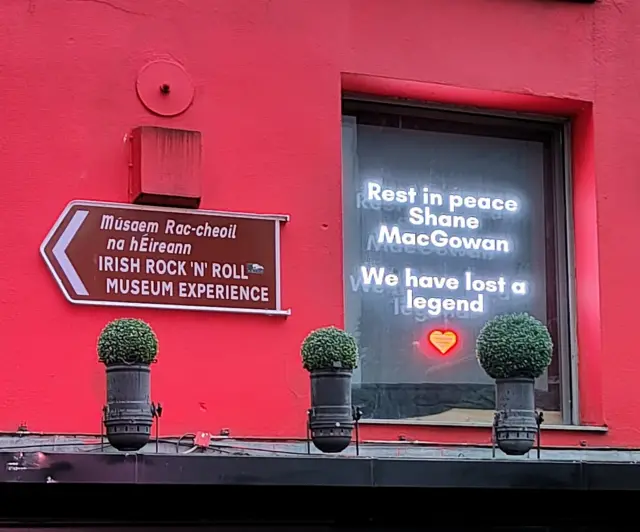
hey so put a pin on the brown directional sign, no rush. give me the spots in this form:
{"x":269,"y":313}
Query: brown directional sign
{"x":127,"y":255}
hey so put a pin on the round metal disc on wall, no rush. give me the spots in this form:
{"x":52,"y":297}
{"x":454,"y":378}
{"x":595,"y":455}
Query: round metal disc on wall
{"x":165,"y":88}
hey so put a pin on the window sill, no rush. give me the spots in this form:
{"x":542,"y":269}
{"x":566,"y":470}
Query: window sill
{"x":478,"y":424}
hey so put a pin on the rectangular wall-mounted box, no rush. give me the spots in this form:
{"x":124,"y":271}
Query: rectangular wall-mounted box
{"x":165,"y":167}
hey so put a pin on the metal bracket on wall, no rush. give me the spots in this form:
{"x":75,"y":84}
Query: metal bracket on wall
{"x":357,"y":415}
{"x":156,"y":412}
{"x":102,"y":427}
{"x":539,"y":420}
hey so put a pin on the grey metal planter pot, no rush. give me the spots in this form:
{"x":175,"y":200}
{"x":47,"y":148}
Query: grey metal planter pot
{"x":516,"y":424}
{"x":331,"y":416}
{"x":128,"y":415}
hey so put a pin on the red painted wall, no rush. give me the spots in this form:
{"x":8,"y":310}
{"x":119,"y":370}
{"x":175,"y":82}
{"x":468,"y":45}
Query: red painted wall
{"x":268,"y":76}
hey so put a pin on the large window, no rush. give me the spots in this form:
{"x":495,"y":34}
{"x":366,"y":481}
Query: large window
{"x":449,"y":219}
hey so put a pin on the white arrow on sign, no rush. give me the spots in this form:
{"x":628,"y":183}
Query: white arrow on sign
{"x":60,"y":252}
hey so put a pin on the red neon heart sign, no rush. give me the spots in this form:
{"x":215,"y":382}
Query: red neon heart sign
{"x":442,"y":341}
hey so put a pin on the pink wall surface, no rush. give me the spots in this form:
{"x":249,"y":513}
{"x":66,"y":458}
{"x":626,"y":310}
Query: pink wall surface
{"x":268,"y":78}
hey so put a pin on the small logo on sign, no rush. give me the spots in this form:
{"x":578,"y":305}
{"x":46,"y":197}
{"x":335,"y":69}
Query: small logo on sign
{"x":255,"y":268}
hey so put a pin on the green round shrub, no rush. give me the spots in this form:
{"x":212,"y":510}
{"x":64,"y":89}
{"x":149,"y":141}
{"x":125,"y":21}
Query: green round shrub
{"x":329,"y":348}
{"x":127,"y":341}
{"x":514,"y":345}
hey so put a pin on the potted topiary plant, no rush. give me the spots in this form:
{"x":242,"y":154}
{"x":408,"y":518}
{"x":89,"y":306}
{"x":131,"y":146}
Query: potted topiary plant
{"x":330,"y":355}
{"x":127,"y":347}
{"x":515,"y":349}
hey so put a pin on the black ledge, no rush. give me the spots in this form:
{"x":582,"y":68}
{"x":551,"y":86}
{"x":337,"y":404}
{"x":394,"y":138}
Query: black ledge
{"x":103,"y":488}
{"x":319,"y":471}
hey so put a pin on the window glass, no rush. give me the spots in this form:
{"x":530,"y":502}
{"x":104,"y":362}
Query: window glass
{"x":465,"y":224}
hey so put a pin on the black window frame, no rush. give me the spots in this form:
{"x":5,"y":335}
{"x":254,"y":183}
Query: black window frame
{"x":555,"y":133}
